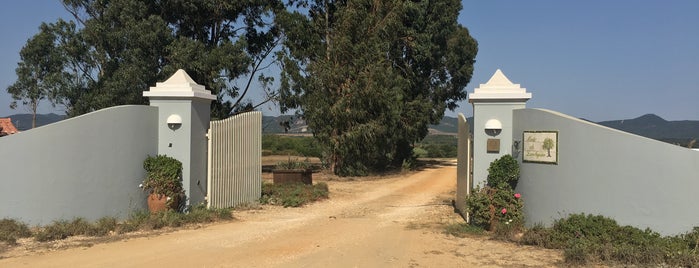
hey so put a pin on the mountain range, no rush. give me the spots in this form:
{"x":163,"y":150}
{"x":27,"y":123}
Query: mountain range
{"x":649,"y":125}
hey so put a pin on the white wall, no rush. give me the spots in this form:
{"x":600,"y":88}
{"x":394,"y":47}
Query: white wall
{"x":89,"y":166}
{"x":635,"y":180}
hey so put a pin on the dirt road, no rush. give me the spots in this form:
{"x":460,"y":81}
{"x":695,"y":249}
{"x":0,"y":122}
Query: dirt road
{"x":389,"y":222}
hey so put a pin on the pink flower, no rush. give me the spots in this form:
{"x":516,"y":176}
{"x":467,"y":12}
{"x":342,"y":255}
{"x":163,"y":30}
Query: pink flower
{"x":517,"y":195}
{"x":503,"y":211}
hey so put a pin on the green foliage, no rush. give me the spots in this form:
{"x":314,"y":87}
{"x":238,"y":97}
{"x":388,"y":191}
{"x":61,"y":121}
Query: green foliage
{"x":143,"y":220}
{"x":503,"y":173}
{"x":63,"y":229}
{"x":587,"y":238}
{"x":437,"y":146}
{"x":420,"y":152}
{"x":135,"y":221}
{"x":538,"y":235}
{"x":11,"y":230}
{"x":293,"y":194}
{"x":293,"y":164}
{"x":369,"y":77}
{"x":497,"y":207}
{"x":104,"y":226}
{"x":40,"y":71}
{"x":113,"y":50}
{"x":291,"y":145}
{"x":479,"y":207}
{"x":163,"y":176}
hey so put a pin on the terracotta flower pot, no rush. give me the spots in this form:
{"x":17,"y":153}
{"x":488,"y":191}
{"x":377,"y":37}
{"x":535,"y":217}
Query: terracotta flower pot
{"x":158,"y":202}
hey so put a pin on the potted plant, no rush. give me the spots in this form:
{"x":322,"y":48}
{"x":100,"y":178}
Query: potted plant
{"x":163,"y":182}
{"x":293,"y":171}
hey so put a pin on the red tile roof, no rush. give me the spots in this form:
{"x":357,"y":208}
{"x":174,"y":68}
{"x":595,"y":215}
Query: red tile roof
{"x":6,"y":127}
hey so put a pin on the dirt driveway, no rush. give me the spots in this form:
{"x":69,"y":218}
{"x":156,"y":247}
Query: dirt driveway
{"x":388,"y":222}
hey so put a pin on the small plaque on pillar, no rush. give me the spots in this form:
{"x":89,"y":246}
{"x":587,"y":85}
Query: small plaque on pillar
{"x":493,"y":146}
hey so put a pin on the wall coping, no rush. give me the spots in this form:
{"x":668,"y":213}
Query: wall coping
{"x":499,"y":88}
{"x":179,"y":85}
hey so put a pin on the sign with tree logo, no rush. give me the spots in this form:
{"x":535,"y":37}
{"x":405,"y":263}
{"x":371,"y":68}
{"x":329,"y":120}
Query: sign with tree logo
{"x":540,"y":147}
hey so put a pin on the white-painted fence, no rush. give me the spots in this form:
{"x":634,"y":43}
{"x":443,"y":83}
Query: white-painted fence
{"x":235,"y":166}
{"x":464,"y":183}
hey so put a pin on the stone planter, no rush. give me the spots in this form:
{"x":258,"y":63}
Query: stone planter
{"x":304,"y":176}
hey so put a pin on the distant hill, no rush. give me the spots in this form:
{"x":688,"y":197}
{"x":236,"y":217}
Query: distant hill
{"x":653,"y":126}
{"x":649,"y":125}
{"x":448,"y":126}
{"x":24,"y":121}
{"x":276,"y":124}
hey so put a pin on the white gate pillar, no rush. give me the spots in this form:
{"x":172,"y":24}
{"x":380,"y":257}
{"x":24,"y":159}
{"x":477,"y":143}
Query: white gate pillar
{"x":184,"y":109}
{"x":493,"y":105}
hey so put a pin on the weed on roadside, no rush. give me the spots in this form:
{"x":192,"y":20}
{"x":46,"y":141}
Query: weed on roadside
{"x":143,"y":220}
{"x":103,"y":226}
{"x":463,"y":230}
{"x":293,"y":194}
{"x":11,"y":230}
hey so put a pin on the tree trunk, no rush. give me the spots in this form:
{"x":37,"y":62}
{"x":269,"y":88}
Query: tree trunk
{"x":34,"y":104}
{"x":327,"y":31}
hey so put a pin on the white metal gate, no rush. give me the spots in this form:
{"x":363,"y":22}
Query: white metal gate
{"x":234,"y":161}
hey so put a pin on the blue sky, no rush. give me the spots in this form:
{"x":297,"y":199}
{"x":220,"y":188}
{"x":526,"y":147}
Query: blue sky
{"x":599,"y":60}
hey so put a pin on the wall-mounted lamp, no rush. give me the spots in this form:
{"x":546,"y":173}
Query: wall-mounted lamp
{"x":515,"y":148}
{"x":174,"y":121}
{"x":493,"y":127}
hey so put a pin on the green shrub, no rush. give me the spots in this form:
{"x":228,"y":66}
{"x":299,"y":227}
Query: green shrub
{"x":503,"y":173}
{"x":437,"y":146}
{"x":103,"y":226}
{"x":11,"y":230}
{"x":293,"y":194}
{"x":134,"y":223}
{"x":62,"y":229}
{"x":419,"y":152}
{"x":293,"y":164}
{"x":143,"y":220}
{"x":587,"y":238}
{"x":538,"y":235}
{"x":291,"y":145}
{"x":56,"y":231}
{"x":478,"y":204}
{"x":201,"y":214}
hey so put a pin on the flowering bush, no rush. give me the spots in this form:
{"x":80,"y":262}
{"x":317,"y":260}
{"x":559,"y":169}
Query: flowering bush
{"x":497,"y":203}
{"x":489,"y":207}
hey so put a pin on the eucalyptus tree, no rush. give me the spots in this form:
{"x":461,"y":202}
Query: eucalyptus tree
{"x":39,"y":72}
{"x":370,"y":76}
{"x":118,"y":48}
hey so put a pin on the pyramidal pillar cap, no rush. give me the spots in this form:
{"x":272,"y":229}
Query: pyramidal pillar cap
{"x":499,"y":89}
{"x":179,"y":85}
